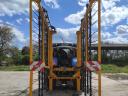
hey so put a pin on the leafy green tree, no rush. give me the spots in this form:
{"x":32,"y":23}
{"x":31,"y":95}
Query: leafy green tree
{"x":25,"y":59}
{"x":6,"y":36}
{"x":25,"y":55}
{"x":14,"y":54}
{"x":25,"y":50}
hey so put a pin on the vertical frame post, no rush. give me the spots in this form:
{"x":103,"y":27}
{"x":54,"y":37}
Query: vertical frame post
{"x":31,"y":51}
{"x":78,"y":58}
{"x":42,"y":50}
{"x":87,"y":79}
{"x":99,"y":46}
{"x":50,"y":58}
{"x":40,"y":92}
{"x":82,"y":56}
{"x":90,"y":53}
{"x":42,"y":16}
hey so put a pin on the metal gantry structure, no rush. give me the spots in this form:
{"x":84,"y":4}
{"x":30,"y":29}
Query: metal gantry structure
{"x":40,"y":42}
{"x":87,"y":40}
{"x":41,"y":32}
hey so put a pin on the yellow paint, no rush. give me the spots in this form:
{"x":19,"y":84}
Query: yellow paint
{"x":43,"y":27}
{"x":50,"y":84}
{"x":78,"y":58}
{"x":63,"y":78}
{"x":63,"y":69}
{"x":50,"y":58}
{"x":78,"y":48}
{"x":31,"y":52}
{"x":99,"y":45}
{"x":86,"y":30}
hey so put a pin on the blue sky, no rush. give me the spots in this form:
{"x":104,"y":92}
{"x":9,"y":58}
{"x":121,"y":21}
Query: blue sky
{"x":65,"y":15}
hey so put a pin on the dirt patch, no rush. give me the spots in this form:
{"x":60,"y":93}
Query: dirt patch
{"x":117,"y":76}
{"x":16,"y":84}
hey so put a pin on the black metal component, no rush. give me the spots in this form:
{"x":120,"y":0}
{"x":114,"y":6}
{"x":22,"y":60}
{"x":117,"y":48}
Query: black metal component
{"x":87,"y":75}
{"x":84,"y":71}
{"x":39,"y":87}
{"x":34,"y":32}
{"x":83,"y":61}
{"x":94,"y":4}
{"x":87,"y":81}
{"x":94,"y":22}
{"x":95,"y":41}
{"x":40,"y":92}
{"x":93,"y":33}
{"x":35,"y":21}
{"x":90,"y":35}
{"x":35,"y":41}
{"x":87,"y":72}
{"x":35,"y":36}
{"x":35,"y":27}
{"x":94,"y":13}
{"x":90,"y":54}
{"x":35,"y":13}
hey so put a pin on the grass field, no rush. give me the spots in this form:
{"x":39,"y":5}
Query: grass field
{"x":111,"y":68}
{"x":14,"y":68}
{"x":106,"y":68}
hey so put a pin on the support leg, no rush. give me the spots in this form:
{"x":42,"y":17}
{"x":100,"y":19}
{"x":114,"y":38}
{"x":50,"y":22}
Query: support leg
{"x":50,"y":84}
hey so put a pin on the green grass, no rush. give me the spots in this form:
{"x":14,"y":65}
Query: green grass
{"x":111,"y":68}
{"x":106,"y":68}
{"x":14,"y":68}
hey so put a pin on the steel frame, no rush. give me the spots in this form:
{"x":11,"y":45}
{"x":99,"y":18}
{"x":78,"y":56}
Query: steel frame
{"x":45,"y":31}
{"x":86,"y":31}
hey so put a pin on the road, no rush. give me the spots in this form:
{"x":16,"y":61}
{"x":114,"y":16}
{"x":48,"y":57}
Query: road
{"x":16,"y":84}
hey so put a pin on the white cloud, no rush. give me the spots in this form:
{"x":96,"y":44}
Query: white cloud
{"x":67,"y":32}
{"x":52,"y":3}
{"x":114,"y":15}
{"x":69,"y":35}
{"x":13,"y":7}
{"x":107,"y":4}
{"x":114,"y":37}
{"x":27,"y":19}
{"x":117,"y":40}
{"x":111,"y":15}
{"x":82,"y":2}
{"x":1,"y":21}
{"x":19,"y":21}
{"x":6,"y":23}
{"x":19,"y":35}
{"x":76,"y":17}
{"x":122,"y":29}
{"x":106,"y":35}
{"x":34,"y":6}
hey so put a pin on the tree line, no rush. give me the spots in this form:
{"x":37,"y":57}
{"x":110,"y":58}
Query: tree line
{"x":10,"y":54}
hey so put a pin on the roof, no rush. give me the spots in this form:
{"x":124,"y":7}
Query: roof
{"x":94,"y":46}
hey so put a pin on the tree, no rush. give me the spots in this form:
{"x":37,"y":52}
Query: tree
{"x":6,"y":36}
{"x":14,"y":54}
{"x":25,"y":50}
{"x":25,"y":55}
{"x":25,"y":59}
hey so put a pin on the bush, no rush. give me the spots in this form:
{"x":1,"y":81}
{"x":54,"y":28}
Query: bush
{"x":25,"y":59}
